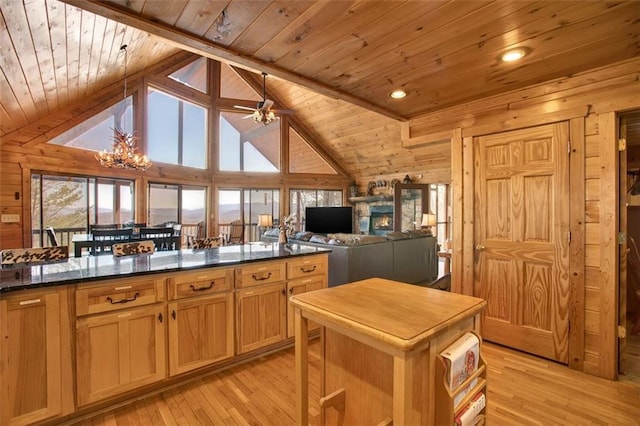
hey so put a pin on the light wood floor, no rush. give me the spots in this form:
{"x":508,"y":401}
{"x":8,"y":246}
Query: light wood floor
{"x":523,"y":390}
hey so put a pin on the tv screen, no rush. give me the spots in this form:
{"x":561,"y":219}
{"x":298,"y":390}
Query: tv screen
{"x":328,"y":220}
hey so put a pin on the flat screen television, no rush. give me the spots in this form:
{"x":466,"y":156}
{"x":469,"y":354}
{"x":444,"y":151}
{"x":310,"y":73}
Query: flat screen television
{"x":328,"y":220}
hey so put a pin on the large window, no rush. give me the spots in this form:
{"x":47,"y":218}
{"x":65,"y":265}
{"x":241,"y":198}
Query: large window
{"x":177,"y":203}
{"x":177,"y":130}
{"x":246,"y":205}
{"x":248,"y":146}
{"x":96,"y":133}
{"x":303,"y":198}
{"x":70,"y":204}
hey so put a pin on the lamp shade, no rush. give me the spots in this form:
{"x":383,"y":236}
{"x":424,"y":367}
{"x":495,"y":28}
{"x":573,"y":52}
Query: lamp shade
{"x":428,"y":219}
{"x":265,"y":220}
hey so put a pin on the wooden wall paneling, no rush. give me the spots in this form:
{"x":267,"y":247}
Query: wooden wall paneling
{"x":457,"y":206}
{"x":608,"y":245}
{"x":469,"y":227}
{"x":621,"y":133}
{"x":576,"y":248}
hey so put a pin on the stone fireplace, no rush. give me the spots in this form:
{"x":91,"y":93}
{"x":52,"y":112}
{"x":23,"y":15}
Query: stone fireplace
{"x":380,"y":219}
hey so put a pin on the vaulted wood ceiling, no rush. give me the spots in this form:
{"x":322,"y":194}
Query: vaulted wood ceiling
{"x":334,"y":62}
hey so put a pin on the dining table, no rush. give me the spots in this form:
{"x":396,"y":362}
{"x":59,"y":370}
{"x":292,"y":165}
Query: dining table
{"x":82,"y":241}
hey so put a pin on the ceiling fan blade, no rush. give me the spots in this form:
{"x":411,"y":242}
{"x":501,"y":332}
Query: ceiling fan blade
{"x":266,"y":105}
{"x":244,"y":107}
{"x":247,"y":116}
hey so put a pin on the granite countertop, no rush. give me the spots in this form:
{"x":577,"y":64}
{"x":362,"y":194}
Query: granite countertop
{"x":96,"y":268}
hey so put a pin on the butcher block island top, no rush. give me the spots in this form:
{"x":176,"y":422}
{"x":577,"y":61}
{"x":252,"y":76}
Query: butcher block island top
{"x":380,"y":342}
{"x":96,"y":268}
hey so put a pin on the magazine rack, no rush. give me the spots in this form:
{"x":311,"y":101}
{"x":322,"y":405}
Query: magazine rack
{"x":446,"y":412}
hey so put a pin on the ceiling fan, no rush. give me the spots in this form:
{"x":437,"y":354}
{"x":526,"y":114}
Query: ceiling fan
{"x":263,"y":113}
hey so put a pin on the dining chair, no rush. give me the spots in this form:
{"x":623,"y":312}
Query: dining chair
{"x":103,"y":239}
{"x":163,"y":238}
{"x":100,"y":226}
{"x":135,"y":226}
{"x":53,"y":238}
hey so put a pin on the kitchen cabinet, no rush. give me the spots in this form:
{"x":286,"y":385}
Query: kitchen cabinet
{"x":123,"y":347}
{"x":35,"y":356}
{"x":200,"y":319}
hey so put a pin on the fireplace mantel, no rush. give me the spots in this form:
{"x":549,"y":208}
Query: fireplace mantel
{"x":371,"y":198}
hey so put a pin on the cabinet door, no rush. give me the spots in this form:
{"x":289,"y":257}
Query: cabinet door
{"x":261,"y":316}
{"x":31,"y":365}
{"x":299,"y":286}
{"x":200,"y":332}
{"x":119,"y":351}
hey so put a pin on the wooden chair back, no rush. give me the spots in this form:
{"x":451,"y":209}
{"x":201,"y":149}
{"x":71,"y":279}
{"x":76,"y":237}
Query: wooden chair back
{"x":163,"y":238}
{"x":236,"y":233}
{"x":53,"y":238}
{"x":97,"y":226}
{"x":103,"y":239}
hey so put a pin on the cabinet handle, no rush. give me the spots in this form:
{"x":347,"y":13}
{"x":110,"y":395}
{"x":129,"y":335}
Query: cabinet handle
{"x":29,"y":302}
{"x":255,"y":277}
{"x":306,"y":271}
{"x":291,"y":290}
{"x":284,"y":292}
{"x":209,"y":287}
{"x":173,"y":314}
{"x":160,"y":317}
{"x":115,"y":302}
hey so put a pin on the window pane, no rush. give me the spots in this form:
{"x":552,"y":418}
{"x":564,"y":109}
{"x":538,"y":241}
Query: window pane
{"x":302,"y":198}
{"x":177,"y":130}
{"x":257,"y":202}
{"x":229,"y":208}
{"x":105,"y":203}
{"x":194,"y":202}
{"x":162,"y":112}
{"x":248,"y":146}
{"x":163,"y":204}
{"x":96,"y":133}
{"x":194,"y":136}
{"x":126,"y":203}
{"x":193,"y":75}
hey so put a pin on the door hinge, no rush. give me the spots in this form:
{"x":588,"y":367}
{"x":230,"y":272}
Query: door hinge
{"x":622,"y":238}
{"x":622,"y":144}
{"x":622,"y":331}
{"x":568,"y":147}
{"x":569,"y":237}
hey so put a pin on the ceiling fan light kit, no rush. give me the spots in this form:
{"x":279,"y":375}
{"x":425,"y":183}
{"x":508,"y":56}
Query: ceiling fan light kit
{"x":263,"y":114}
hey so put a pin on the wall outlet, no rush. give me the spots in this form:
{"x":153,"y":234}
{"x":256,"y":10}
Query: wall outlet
{"x":10,"y":218}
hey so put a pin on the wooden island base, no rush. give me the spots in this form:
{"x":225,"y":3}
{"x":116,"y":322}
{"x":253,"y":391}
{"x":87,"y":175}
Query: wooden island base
{"x":379,"y":351}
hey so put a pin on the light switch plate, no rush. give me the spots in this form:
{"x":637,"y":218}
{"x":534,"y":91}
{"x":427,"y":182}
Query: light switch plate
{"x":10,"y":218}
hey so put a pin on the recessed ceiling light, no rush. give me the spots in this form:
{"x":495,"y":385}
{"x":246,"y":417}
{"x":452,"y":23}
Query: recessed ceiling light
{"x":513,"y":54}
{"x":398,"y":94}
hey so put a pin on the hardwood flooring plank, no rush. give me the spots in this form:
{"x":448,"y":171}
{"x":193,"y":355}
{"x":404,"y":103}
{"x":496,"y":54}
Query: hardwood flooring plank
{"x":522,"y":390}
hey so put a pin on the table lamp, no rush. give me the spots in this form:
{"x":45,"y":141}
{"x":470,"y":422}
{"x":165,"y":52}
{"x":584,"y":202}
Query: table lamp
{"x":428,"y":220}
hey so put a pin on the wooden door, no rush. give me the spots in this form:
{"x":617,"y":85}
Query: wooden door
{"x":200,"y":332}
{"x":30,"y":358}
{"x":119,"y":351}
{"x":261,"y":316}
{"x":522,"y":238}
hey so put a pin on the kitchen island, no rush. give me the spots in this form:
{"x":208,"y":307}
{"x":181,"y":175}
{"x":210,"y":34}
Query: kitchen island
{"x":86,"y":333}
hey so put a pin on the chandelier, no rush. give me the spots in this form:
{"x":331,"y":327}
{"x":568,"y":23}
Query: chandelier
{"x":123,"y":153}
{"x":263,"y":117}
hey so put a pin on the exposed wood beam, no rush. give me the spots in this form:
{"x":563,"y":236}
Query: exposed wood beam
{"x":207,"y":48}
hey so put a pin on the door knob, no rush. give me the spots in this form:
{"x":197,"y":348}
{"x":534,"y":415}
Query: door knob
{"x":480,"y":247}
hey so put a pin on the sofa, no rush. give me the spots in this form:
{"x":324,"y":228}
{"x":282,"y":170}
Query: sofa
{"x":409,"y":257}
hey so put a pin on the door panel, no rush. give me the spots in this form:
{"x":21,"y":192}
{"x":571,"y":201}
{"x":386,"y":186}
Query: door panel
{"x":521,"y":238}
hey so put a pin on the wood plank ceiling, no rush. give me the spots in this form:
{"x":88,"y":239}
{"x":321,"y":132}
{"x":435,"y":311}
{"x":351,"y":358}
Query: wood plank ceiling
{"x":334,"y":62}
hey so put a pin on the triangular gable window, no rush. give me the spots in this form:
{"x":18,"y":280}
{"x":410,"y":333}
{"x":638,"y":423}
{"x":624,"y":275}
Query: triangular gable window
{"x":303,"y":159}
{"x":193,"y":75}
{"x":96,"y":132}
{"x":234,"y":87}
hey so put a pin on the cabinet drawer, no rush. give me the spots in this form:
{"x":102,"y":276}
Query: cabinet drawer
{"x":312,"y":265}
{"x":121,"y":294}
{"x":200,"y":283}
{"x":260,"y":273}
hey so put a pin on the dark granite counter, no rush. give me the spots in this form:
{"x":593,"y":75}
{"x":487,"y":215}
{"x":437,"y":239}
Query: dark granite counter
{"x":96,"y":268}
